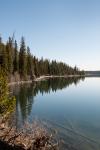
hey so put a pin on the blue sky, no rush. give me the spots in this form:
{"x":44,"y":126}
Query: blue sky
{"x":65,"y":30}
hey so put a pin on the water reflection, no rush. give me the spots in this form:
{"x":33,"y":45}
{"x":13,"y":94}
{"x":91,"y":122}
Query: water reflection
{"x":25,"y":93}
{"x":72,"y":108}
{"x":55,"y":84}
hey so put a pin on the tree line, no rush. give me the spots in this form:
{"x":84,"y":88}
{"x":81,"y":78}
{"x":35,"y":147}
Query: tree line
{"x":17,"y":59}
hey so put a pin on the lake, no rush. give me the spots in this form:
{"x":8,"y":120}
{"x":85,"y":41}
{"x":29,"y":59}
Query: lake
{"x":71,"y":106}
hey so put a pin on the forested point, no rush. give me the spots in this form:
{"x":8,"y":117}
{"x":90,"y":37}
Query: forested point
{"x":20,"y":64}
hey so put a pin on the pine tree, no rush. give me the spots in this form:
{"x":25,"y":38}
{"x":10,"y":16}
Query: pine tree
{"x":30,"y":67}
{"x":0,"y":40}
{"x":22,"y":59}
{"x":7,"y":104}
{"x":16,"y":59}
{"x":10,"y":55}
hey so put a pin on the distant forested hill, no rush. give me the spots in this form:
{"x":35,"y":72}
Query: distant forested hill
{"x":92,"y":73}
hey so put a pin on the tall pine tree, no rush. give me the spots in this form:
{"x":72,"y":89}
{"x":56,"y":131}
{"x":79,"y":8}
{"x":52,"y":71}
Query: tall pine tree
{"x":22,"y":59}
{"x":16,"y":59}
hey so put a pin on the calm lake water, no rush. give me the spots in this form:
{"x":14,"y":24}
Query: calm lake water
{"x":71,"y":106}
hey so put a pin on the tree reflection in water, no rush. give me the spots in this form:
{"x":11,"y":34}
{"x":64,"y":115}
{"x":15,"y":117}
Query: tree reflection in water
{"x":25,"y":93}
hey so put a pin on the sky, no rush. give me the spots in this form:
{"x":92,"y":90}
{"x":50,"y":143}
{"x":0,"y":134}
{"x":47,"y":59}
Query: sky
{"x":65,"y":30}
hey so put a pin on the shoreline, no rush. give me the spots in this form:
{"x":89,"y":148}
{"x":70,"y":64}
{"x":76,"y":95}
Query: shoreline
{"x":42,"y":78}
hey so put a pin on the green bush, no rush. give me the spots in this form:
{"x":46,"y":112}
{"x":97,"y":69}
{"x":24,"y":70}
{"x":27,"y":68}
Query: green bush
{"x":7,"y":103}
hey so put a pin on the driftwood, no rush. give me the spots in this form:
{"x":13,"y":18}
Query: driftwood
{"x":31,"y":137}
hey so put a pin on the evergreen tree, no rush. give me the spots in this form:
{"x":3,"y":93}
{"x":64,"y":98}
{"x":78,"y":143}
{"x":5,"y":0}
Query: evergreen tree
{"x":16,"y":59}
{"x":22,"y":59}
{"x":5,"y":58}
{"x":10,"y":54}
{"x":7,"y":104}
{"x":0,"y":40}
{"x":30,"y":65}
